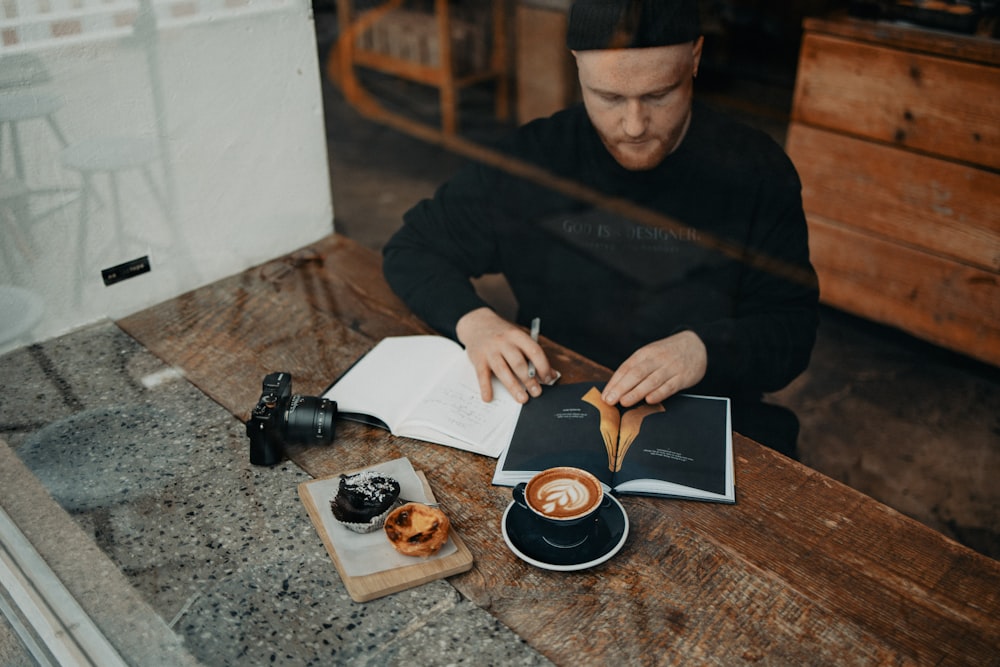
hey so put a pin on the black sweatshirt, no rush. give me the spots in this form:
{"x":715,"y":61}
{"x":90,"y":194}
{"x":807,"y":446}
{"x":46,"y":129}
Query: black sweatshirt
{"x":736,"y":271}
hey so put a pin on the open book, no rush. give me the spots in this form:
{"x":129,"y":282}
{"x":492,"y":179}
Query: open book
{"x":680,"y":448}
{"x":424,"y":387}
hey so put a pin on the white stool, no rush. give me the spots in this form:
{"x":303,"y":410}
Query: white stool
{"x":14,"y":213}
{"x":19,"y":107}
{"x":112,"y":156}
{"x":18,"y":214}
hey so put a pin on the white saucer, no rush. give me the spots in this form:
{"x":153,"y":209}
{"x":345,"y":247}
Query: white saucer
{"x":520,"y":532}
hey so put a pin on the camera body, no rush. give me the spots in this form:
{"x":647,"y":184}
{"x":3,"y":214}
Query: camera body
{"x":281,"y":418}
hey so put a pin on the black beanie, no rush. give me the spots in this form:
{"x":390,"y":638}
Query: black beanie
{"x":631,"y":24}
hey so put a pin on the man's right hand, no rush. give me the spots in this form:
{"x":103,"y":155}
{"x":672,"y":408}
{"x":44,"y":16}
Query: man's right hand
{"x":498,"y":347}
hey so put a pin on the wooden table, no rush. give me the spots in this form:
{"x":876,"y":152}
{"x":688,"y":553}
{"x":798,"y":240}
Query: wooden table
{"x":801,"y":571}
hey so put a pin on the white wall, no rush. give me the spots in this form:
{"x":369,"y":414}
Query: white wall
{"x":226,"y":95}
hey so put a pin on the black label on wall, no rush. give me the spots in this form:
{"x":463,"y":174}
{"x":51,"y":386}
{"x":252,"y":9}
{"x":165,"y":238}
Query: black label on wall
{"x":116,"y":274}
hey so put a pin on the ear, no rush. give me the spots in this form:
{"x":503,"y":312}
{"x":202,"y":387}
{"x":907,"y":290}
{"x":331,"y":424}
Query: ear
{"x":696,"y":55}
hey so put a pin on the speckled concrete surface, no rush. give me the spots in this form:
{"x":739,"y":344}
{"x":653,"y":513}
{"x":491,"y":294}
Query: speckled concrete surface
{"x":63,"y":549}
{"x":157,"y":476}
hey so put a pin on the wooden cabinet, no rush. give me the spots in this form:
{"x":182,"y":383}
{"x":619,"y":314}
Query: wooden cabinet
{"x":896,"y":135}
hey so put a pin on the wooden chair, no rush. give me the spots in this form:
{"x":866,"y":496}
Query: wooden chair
{"x":429,"y":45}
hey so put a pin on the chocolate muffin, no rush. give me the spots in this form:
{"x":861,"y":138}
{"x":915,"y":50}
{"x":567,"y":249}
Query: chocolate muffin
{"x":364,"y":499}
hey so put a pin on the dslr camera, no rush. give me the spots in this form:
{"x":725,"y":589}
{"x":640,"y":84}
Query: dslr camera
{"x":282,"y":418}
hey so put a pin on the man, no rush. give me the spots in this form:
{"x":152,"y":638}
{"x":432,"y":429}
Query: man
{"x":684,"y":265}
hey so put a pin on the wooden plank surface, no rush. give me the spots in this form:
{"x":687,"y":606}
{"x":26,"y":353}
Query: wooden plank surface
{"x":945,"y":208}
{"x":925,"y":103}
{"x":974,"y":48}
{"x":802,"y":570}
{"x":939,"y":300}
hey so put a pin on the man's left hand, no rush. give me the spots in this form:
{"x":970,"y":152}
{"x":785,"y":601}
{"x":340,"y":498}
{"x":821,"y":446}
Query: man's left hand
{"x":659,"y":370}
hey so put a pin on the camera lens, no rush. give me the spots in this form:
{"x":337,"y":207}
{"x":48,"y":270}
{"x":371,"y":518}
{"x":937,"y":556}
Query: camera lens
{"x":310,"y":420}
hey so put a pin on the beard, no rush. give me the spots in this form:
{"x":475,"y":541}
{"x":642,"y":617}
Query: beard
{"x":641,"y":156}
{"x":646,"y":153}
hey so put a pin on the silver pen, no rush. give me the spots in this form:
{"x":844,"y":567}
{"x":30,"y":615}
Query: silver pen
{"x":536,"y":327}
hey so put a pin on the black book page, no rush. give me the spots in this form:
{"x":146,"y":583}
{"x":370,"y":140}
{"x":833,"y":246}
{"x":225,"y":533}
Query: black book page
{"x":680,"y":448}
{"x":559,"y":429}
{"x":685,"y":444}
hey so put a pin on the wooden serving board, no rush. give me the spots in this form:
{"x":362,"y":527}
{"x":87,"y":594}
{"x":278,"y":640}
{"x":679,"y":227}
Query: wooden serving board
{"x":368,"y":587}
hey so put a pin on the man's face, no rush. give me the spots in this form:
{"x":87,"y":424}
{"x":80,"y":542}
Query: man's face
{"x":639,"y":100}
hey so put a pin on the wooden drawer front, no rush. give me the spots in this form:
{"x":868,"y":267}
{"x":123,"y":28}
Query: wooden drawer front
{"x":932,"y":104}
{"x":943,"y":207}
{"x":941,"y":301}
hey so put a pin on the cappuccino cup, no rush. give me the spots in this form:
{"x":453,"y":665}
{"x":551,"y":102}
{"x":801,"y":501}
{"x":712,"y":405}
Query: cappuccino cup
{"x":565,"y":502}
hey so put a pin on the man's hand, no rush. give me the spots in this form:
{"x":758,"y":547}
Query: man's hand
{"x":658,"y":370}
{"x":498,"y":347}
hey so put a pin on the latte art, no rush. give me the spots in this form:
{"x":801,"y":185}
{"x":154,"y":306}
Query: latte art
{"x":563,"y":493}
{"x":563,"y":497}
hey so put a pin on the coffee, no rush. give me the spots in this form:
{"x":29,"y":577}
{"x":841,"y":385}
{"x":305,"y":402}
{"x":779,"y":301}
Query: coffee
{"x":563,"y":493}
